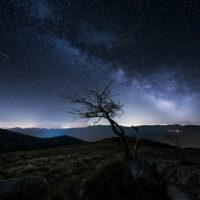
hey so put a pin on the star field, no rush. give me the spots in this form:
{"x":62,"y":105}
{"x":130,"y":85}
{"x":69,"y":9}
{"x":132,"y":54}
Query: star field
{"x":50,"y":47}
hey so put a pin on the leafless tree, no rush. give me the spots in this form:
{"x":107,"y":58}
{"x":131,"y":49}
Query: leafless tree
{"x":99,"y":104}
{"x":136,"y":141}
{"x":174,"y":137}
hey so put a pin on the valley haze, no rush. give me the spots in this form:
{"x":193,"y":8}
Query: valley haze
{"x":189,"y":136}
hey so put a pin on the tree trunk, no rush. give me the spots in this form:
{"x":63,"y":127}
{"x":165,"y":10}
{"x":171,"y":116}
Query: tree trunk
{"x":136,"y":148}
{"x":120,"y":133}
{"x":126,"y":147}
{"x":136,"y":142}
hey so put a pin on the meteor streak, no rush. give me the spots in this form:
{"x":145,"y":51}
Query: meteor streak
{"x":4,"y":55}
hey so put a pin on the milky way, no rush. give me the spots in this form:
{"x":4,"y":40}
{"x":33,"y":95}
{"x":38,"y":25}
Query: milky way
{"x":50,"y":47}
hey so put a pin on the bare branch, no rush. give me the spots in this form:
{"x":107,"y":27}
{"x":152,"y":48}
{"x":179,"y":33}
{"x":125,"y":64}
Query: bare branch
{"x":174,"y":137}
{"x":98,"y":104}
{"x":98,"y":120}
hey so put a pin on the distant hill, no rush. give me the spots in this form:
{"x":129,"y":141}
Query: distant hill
{"x":190,"y":136}
{"x":12,"y":141}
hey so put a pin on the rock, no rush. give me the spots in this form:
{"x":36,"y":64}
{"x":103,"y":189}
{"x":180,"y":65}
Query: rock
{"x":175,"y":193}
{"x":24,"y":188}
{"x":182,"y":182}
{"x":113,"y":182}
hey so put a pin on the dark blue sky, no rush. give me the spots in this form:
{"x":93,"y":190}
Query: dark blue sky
{"x":50,"y":47}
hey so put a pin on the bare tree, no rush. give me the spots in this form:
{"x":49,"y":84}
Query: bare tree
{"x":99,"y":104}
{"x":136,"y":141}
{"x":174,"y":137}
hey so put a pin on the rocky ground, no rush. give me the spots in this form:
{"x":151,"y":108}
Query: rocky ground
{"x":98,"y":171}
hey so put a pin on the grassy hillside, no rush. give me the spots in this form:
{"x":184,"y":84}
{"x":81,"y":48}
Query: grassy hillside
{"x":70,"y":169}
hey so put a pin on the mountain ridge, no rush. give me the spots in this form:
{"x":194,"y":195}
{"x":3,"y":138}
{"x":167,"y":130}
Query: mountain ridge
{"x":13,"y":141}
{"x":190,"y":135}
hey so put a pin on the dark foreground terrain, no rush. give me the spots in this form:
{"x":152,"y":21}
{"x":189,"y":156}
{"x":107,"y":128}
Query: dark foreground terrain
{"x":97,"y":171}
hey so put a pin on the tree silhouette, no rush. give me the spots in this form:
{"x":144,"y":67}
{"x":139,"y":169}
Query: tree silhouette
{"x":99,"y":104}
{"x":136,"y":142}
{"x":174,"y":137}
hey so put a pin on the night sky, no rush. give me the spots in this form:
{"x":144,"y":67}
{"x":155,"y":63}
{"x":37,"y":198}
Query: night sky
{"x":50,"y":47}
